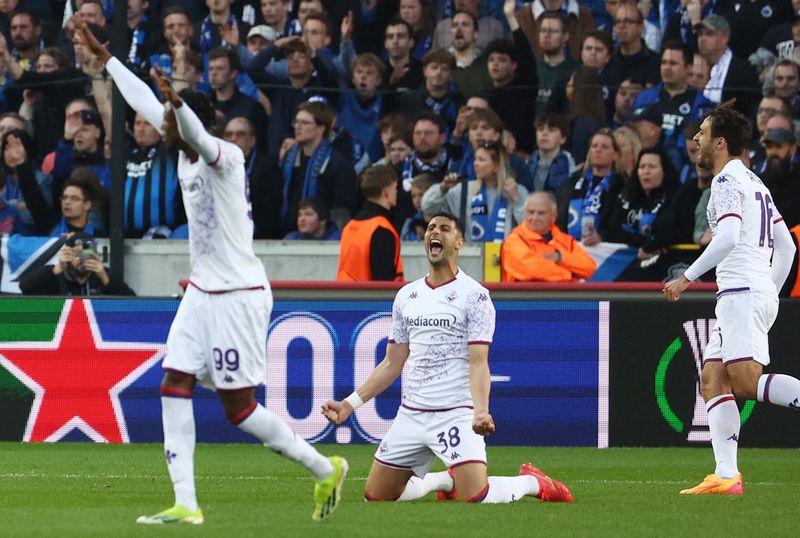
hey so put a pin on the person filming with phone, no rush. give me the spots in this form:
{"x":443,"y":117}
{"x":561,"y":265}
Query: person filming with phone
{"x":79,"y":272}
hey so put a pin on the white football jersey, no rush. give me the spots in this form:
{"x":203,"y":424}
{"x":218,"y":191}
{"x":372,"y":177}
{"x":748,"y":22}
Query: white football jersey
{"x":736,"y":192}
{"x":439,"y":324}
{"x":217,"y":201}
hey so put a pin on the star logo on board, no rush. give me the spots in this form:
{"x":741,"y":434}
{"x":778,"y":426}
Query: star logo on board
{"x":77,"y":377}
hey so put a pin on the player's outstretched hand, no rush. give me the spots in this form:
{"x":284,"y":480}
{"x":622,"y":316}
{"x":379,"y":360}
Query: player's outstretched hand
{"x":89,"y":41}
{"x":672,"y":291}
{"x":483,"y":423}
{"x":164,"y":85}
{"x":337,"y":412}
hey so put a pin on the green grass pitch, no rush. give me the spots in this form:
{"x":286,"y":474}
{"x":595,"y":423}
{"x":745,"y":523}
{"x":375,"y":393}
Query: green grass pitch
{"x":81,"y":490}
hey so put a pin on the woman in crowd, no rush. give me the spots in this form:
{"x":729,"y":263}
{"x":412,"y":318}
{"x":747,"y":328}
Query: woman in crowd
{"x":495,"y":201}
{"x":629,"y":148}
{"x":584,"y":200}
{"x":587,"y":112}
{"x":653,"y":211}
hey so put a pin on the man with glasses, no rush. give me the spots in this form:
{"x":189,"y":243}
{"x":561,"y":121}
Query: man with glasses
{"x":633,"y":57}
{"x":554,"y":65}
{"x":767,"y":108}
{"x":312,"y":167}
{"x":579,"y":21}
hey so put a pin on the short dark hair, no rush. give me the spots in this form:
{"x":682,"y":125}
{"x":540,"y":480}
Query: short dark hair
{"x":58,"y":56}
{"x":551,"y":119}
{"x":175,"y":10}
{"x":397,"y":21}
{"x":34,"y":19}
{"x":677,"y":44}
{"x":84,"y":179}
{"x":691,"y":129}
{"x":322,"y":114}
{"x":222,"y":52}
{"x":439,"y":56}
{"x":295,"y":46}
{"x":731,"y":125}
{"x":603,"y":37}
{"x":194,"y":59}
{"x":317,"y":205}
{"x":468,"y":14}
{"x":502,"y":46}
{"x":457,"y":221}
{"x":321,"y":17}
{"x":557,"y":15}
{"x":431,"y":116}
{"x":375,"y":179}
{"x":201,"y":106}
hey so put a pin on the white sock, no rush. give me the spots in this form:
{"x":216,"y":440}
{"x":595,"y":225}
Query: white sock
{"x":723,"y":423}
{"x":419,"y":487}
{"x":177,"y":416}
{"x":509,"y":489}
{"x":278,"y":436}
{"x":779,"y":389}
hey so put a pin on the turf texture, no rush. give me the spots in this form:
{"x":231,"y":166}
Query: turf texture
{"x":82,"y":489}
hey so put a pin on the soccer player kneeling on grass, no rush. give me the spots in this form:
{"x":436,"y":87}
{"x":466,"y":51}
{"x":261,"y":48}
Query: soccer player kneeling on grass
{"x":217,"y":337}
{"x":442,"y":325}
{"x":752,"y":250}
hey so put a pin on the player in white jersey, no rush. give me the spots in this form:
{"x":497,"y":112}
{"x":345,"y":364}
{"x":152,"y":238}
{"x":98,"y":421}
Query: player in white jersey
{"x":748,"y":232}
{"x":218,"y":335}
{"x":442,"y":326}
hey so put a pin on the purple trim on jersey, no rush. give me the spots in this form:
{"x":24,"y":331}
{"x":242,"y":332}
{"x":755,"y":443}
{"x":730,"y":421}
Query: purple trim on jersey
{"x":241,"y":417}
{"x":431,"y":286}
{"x":731,"y":290}
{"x":391,"y":465}
{"x":435,"y":410}
{"x":721,"y":400}
{"x":219,"y":292}
{"x":460,"y":463}
{"x":485,"y":342}
{"x":370,"y":498}
{"x":480,"y":496}
{"x":766,"y":388}
{"x":740,"y":359}
{"x":726,"y":215}
{"x":219,"y":154}
{"x":715,"y":359}
{"x":174,"y":392}
{"x":776,"y":221}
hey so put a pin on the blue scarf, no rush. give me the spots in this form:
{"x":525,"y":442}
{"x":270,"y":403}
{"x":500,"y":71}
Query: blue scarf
{"x":134,"y":54}
{"x":558,"y":174}
{"x":206,"y":37}
{"x":588,"y":207}
{"x":484,"y":229}
{"x":62,"y":229}
{"x":641,"y":221}
{"x":413,"y":165}
{"x":319,"y":159}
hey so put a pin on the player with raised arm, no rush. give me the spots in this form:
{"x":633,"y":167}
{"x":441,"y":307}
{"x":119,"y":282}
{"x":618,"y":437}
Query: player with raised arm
{"x":442,"y":325}
{"x":218,"y":335}
{"x":748,"y":232}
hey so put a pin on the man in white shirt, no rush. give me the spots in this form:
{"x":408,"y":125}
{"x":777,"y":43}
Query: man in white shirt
{"x":747,"y":232}
{"x":219,"y":331}
{"x":442,"y":326}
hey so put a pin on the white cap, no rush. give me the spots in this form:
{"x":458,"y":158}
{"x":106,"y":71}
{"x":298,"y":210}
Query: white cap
{"x":262,"y":30}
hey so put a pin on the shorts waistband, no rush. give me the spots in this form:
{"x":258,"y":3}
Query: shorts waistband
{"x":437,"y":410}
{"x":220,"y":292}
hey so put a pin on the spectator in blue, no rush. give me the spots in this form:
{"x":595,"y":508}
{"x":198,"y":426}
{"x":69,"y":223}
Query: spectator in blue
{"x":178,"y":32}
{"x":276,"y":15}
{"x":313,"y":222}
{"x":550,"y":165}
{"x":419,"y":14}
{"x":82,"y":147}
{"x":224,"y":68}
{"x":402,"y":69}
{"x":215,"y":27}
{"x":683,"y":23}
{"x":152,"y":193}
{"x":360,"y":110}
{"x":586,"y":110}
{"x":414,"y":227}
{"x":12,"y":193}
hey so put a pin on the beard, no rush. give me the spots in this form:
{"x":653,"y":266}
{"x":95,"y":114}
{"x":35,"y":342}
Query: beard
{"x":427,"y":155}
{"x":776,"y":170}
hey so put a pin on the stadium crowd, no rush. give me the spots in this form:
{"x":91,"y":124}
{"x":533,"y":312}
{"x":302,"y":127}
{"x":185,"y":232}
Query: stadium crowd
{"x":471,"y":106}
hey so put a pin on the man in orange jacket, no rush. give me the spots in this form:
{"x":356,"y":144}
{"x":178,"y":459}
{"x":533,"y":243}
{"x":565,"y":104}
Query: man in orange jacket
{"x":370,"y":246}
{"x":537,"y":251}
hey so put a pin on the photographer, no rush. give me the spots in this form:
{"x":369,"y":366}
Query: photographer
{"x":79,"y":272}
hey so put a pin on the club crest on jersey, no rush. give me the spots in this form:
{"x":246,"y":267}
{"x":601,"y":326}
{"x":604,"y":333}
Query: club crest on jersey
{"x":452,"y":296}
{"x":413,"y":296}
{"x":384,"y":447}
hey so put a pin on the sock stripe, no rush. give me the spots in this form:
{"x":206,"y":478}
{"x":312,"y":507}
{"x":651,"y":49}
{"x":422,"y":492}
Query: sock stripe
{"x":766,"y":387}
{"x":241,"y":417}
{"x":480,"y":496}
{"x":723,"y":399}
{"x":175,"y":392}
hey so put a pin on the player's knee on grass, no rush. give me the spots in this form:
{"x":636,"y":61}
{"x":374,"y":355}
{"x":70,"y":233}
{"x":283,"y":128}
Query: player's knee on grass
{"x":373,"y":498}
{"x":470,"y":482}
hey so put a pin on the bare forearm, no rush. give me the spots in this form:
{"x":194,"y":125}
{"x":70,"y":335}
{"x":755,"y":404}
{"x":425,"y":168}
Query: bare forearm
{"x":480,"y":381}
{"x":380,"y":379}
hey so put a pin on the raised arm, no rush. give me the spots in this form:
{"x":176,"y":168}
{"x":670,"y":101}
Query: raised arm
{"x":138,"y":94}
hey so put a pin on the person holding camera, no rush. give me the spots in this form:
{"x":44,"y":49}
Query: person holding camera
{"x":79,"y":272}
